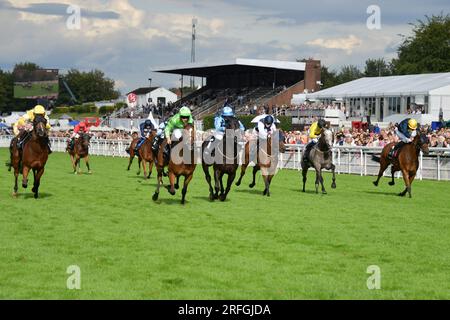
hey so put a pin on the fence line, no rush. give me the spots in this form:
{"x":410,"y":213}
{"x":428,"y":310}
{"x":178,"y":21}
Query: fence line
{"x":348,"y":160}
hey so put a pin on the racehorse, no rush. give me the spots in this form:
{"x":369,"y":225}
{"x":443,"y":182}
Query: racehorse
{"x":320,"y":157}
{"x":145,"y":155}
{"x":265,"y":161}
{"x":227,"y":165}
{"x":176,"y":170}
{"x":34,"y":156}
{"x":130,"y":150}
{"x":407,"y":161}
{"x":80,"y":151}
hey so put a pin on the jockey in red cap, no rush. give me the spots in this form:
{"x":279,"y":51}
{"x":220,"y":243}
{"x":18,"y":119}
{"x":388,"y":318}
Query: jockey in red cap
{"x":82,"y":127}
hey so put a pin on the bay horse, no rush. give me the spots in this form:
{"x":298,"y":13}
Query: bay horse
{"x":265,"y":161}
{"x":33,"y":157}
{"x":80,"y":151}
{"x":407,"y":161}
{"x":320,"y":157}
{"x":228,"y":163}
{"x":176,"y":169}
{"x":145,"y":154}
{"x":132,"y":154}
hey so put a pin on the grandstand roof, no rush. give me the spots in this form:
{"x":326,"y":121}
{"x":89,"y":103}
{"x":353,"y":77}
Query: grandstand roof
{"x":208,"y":69}
{"x":143,"y":90}
{"x":413,"y":84}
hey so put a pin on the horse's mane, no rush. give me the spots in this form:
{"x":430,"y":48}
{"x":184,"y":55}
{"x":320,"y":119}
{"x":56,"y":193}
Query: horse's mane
{"x":231,"y":123}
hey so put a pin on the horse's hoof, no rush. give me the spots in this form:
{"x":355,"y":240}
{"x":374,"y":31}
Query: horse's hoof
{"x":14,"y":194}
{"x":265,"y":192}
{"x":155,"y":196}
{"x":89,"y":172}
{"x":36,"y":196}
{"x":177,"y":187}
{"x":251,"y":185}
{"x":222,"y":197}
{"x":183,"y":202}
{"x":33,"y":190}
{"x":392,"y":183}
{"x":139,"y":173}
{"x":324,"y":192}
{"x":212,"y":197}
{"x":333,"y":185}
{"x":238,"y":184}
{"x":375,"y":183}
{"x":24,"y":186}
{"x":401,"y":194}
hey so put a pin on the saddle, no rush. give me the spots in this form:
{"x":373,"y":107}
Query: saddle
{"x":395,"y":151}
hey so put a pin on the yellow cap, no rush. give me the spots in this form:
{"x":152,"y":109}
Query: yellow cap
{"x":412,"y":124}
{"x":39,"y":109}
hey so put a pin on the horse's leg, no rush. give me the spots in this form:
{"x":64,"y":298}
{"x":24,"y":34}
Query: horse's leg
{"x":37,"y":181}
{"x":333,"y":169}
{"x":177,"y":184}
{"x":255,"y":170}
{"x":267,"y":180}
{"x":383,"y":165}
{"x":139,"y":165}
{"x":230,"y":180}
{"x":160,"y":182}
{"x":243,"y":169}
{"x":130,"y":161}
{"x":171,"y":187}
{"x":216,"y":183}
{"x":407,"y":185}
{"x":304,"y":174}
{"x":185,"y":186}
{"x":317,"y":179}
{"x":144,"y":166}
{"x":73,"y":164}
{"x":392,"y":182}
{"x":208,"y":179}
{"x":77,"y":165}
{"x":411,"y":179}
{"x":86,"y":160}
{"x":16,"y":177}
{"x":321,"y":182}
{"x":25,"y":172}
{"x":150,"y":168}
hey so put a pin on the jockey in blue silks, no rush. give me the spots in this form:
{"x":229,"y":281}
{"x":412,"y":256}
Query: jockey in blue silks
{"x":146,"y":128}
{"x":219,"y":126}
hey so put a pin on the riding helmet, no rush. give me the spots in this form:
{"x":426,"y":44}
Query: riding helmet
{"x":39,"y":110}
{"x":268,"y":120}
{"x":185,"y":112}
{"x":412,"y":124}
{"x":227,"y":112}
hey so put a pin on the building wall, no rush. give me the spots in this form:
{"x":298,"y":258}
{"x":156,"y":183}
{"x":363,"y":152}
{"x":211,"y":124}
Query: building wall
{"x":285,"y":97}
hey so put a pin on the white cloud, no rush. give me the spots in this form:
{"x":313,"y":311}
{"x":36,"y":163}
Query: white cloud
{"x":348,"y":44}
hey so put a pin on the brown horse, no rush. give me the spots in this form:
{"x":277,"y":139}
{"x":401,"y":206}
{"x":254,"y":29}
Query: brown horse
{"x":407,"y":161}
{"x":80,"y":151}
{"x":265,"y":161}
{"x":228,"y":161}
{"x":33,"y":157}
{"x":145,"y":155}
{"x":176,"y":169}
{"x":132,"y":154}
{"x":320,"y":157}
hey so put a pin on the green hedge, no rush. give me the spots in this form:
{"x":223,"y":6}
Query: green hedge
{"x":61,"y":110}
{"x":285,"y":122}
{"x":106,"y":109}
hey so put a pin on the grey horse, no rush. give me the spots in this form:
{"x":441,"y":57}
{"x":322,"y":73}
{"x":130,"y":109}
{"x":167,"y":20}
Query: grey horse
{"x":320,"y":157}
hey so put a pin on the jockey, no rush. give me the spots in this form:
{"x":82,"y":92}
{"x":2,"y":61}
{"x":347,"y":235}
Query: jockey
{"x":80,"y":128}
{"x":265,"y":127}
{"x":25,"y":124}
{"x":314,"y":132}
{"x":219,"y":125}
{"x":406,"y":131}
{"x":178,"y":121}
{"x":146,"y":128}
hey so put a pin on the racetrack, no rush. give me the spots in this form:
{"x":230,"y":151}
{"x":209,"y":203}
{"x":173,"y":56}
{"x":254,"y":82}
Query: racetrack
{"x":289,"y":246}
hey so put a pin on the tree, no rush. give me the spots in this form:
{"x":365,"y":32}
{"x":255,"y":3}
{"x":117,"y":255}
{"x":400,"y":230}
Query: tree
{"x":6,"y":91}
{"x":349,"y":73}
{"x":328,"y":77}
{"x":377,"y":68}
{"x":428,"y":49}
{"x":88,"y":86}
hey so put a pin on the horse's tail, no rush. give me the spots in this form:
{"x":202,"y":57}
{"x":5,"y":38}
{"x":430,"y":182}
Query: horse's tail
{"x":376,"y":158}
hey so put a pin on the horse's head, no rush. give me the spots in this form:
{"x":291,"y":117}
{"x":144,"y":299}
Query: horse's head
{"x":327,"y":137}
{"x":189,"y":128}
{"x":40,"y":126}
{"x":85,"y":140}
{"x":423,"y":143}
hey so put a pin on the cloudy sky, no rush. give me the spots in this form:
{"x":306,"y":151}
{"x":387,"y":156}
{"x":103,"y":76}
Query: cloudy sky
{"x":129,"y":38}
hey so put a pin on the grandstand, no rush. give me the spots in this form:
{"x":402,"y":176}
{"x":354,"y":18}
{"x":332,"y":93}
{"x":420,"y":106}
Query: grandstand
{"x":246,"y":82}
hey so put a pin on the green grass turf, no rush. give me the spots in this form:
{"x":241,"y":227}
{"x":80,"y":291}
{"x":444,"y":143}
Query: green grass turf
{"x":35,"y":90}
{"x":289,"y":246}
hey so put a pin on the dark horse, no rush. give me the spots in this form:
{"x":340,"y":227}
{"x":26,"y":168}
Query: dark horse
{"x":80,"y":151}
{"x":320,"y":157}
{"x":407,"y":161}
{"x":145,"y":155}
{"x":132,"y":154}
{"x":177,"y":168}
{"x":33,"y":156}
{"x":228,"y":163}
{"x":265,"y":161}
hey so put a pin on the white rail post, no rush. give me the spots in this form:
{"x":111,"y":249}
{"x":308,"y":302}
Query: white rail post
{"x":361,"y":161}
{"x":439,"y":167}
{"x":421,"y":166}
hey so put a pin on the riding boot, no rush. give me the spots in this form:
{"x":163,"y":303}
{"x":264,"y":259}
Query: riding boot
{"x":155,"y":145}
{"x":49,"y":145}
{"x":208,"y":147}
{"x":393,"y":151}
{"x":166,"y":153}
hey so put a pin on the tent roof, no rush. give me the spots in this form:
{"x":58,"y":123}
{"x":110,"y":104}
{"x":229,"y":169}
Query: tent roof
{"x":208,"y":69}
{"x":413,"y":84}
